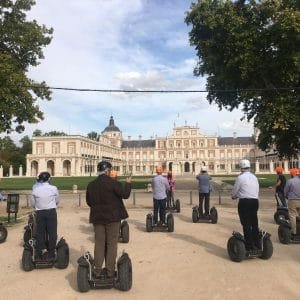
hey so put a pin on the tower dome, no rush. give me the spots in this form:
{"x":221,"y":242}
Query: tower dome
{"x":111,"y":126}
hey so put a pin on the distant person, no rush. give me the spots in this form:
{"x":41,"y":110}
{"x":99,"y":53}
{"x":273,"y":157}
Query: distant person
{"x":204,"y":189}
{"x":45,"y":198}
{"x":1,"y":197}
{"x":246,"y":189}
{"x":171,"y":191}
{"x":292,"y":193}
{"x":104,"y":197}
{"x":280,"y":184}
{"x":160,"y":187}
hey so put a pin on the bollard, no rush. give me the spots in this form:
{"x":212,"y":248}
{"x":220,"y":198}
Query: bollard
{"x":220,"y":202}
{"x":79,"y":200}
{"x":133,"y":198}
{"x":191,"y":197}
{"x":27,"y":201}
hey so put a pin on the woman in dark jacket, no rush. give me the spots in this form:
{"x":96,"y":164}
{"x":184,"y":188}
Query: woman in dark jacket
{"x":104,"y":197}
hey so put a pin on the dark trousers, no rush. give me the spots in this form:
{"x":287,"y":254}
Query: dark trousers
{"x":247,"y":209}
{"x":46,"y":225}
{"x":205,"y":197}
{"x":159,"y":206}
{"x":281,"y":197}
{"x":106,"y":246}
{"x":170,"y":199}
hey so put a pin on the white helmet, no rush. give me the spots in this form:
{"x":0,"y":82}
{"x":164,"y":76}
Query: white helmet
{"x":203,"y":169}
{"x":244,"y":163}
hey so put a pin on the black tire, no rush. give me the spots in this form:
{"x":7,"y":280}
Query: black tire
{"x":27,"y":235}
{"x":3,"y":234}
{"x":195,"y":215}
{"x":170,"y":222}
{"x":83,"y":279}
{"x":284,"y":234}
{"x":149,"y":227}
{"x":213,"y":215}
{"x":236,"y":249}
{"x":177,"y":205}
{"x":124,"y":266}
{"x":62,"y":259}
{"x":27,"y":263}
{"x":268,"y":249}
{"x":124,"y":232}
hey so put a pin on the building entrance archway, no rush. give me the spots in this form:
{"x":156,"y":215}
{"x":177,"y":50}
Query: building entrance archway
{"x":186,"y":167}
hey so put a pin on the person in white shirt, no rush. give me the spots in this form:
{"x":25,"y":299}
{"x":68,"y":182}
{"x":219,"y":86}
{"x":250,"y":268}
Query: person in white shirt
{"x":246,"y":189}
{"x":45,"y":198}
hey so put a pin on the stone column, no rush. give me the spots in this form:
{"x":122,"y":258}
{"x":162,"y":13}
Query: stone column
{"x":228,"y":168}
{"x":271,"y":166}
{"x":1,"y":172}
{"x":286,"y":166}
{"x":257,"y":166}
{"x":11,"y":171}
{"x":20,"y":170}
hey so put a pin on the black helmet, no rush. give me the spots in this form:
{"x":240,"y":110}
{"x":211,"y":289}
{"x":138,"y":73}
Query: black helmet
{"x":43,"y":177}
{"x":103,"y":165}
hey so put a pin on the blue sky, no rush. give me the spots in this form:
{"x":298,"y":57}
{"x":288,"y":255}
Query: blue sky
{"x":117,"y":44}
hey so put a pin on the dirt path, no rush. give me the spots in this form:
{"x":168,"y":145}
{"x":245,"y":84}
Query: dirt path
{"x":191,"y":263}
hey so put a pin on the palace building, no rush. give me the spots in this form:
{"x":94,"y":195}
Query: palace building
{"x":183,"y":152}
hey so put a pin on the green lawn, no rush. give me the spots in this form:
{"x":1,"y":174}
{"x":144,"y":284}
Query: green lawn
{"x":64,"y":183}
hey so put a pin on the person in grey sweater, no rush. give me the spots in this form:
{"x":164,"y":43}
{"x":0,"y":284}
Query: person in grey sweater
{"x":204,"y":188}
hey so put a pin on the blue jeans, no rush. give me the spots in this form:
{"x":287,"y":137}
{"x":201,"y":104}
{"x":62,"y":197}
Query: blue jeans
{"x":159,"y":206}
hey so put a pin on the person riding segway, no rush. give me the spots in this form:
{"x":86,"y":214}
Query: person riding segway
{"x":289,"y":230}
{"x":254,"y":243}
{"x":104,"y":197}
{"x":41,"y":248}
{"x":204,"y":189}
{"x":160,"y":187}
{"x":172,"y":205}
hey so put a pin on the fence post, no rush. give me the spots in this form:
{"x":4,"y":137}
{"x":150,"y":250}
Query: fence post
{"x":133,"y":198}
{"x":220,"y":202}
{"x":79,"y":200}
{"x":191,"y":197}
{"x":27,"y":200}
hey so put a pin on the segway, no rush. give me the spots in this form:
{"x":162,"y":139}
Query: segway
{"x":87,"y":280}
{"x":282,"y":212}
{"x":285,"y":232}
{"x":124,"y":232}
{"x":237,"y":251}
{"x":31,"y":258}
{"x":3,"y":233}
{"x":150,"y":225}
{"x":211,"y":218}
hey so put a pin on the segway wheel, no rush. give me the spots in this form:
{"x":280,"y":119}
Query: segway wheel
{"x":83,"y":279}
{"x":170,"y":222}
{"x":3,"y":234}
{"x":236,"y":249}
{"x":195,"y":215}
{"x":213,"y":215}
{"x":27,"y":263}
{"x":124,"y":232}
{"x":280,"y":216}
{"x":124,"y":281}
{"x":284,"y":234}
{"x":149,"y":227}
{"x":267,"y":249}
{"x":62,"y":260}
{"x":27,"y":235}
{"x":177,"y":205}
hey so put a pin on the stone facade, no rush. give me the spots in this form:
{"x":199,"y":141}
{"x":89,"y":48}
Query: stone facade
{"x":183,"y":152}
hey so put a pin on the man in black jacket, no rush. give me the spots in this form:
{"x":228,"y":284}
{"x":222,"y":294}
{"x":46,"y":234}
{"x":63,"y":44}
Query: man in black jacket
{"x":104,"y":197}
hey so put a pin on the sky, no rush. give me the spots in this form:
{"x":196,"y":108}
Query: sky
{"x":127,"y":45}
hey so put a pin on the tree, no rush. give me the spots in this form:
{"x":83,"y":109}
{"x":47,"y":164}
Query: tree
{"x":26,"y":145}
{"x":249,"y":51}
{"x":93,"y":135}
{"x":21,"y":44}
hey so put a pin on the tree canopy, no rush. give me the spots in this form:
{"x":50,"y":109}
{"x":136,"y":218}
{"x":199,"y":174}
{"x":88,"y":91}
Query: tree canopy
{"x":21,"y":43}
{"x":249,"y":51}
